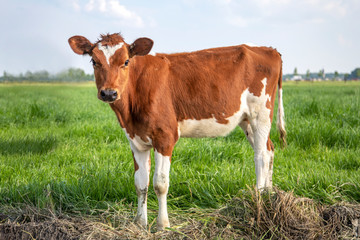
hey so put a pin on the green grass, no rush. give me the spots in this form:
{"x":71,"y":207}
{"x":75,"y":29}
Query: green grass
{"x":62,"y":148}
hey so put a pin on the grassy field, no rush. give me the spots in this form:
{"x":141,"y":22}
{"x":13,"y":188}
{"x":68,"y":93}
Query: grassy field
{"x":62,"y":149}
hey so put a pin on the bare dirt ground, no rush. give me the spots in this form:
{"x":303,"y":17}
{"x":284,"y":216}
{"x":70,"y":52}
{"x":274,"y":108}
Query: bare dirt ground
{"x":278,"y":216}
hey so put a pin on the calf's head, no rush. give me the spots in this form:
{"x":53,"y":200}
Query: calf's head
{"x":111,"y":57}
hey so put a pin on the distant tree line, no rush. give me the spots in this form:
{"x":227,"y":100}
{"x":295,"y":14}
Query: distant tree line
{"x":321,"y":75}
{"x":79,"y":75}
{"x":354,"y":74}
{"x":68,"y":75}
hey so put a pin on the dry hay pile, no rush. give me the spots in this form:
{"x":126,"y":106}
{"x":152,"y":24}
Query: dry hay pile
{"x":284,"y":216}
{"x":280,"y":215}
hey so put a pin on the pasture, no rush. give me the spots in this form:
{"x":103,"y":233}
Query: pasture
{"x":62,"y":149}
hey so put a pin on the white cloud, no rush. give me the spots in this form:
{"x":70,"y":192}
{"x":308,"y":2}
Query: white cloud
{"x":115,"y":9}
{"x":75,"y":5}
{"x":285,"y":12}
{"x":90,"y":6}
{"x":333,"y":7}
{"x":272,"y":2}
{"x":336,"y":7}
{"x":121,"y":12}
{"x":222,"y":2}
{"x":102,"y":6}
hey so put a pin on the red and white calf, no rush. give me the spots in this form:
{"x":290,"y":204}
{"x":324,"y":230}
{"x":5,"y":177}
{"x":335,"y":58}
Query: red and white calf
{"x":206,"y":93}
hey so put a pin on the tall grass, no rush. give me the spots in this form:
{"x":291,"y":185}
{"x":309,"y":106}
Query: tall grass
{"x":61,"y":148}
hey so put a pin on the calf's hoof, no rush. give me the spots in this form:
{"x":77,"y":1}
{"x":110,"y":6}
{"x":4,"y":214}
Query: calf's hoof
{"x":140,"y":221}
{"x":162,"y":225}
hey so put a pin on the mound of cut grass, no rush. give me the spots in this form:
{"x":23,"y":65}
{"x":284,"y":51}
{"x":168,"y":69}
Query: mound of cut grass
{"x":250,"y":215}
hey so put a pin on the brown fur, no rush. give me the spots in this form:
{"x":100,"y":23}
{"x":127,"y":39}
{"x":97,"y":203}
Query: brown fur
{"x":156,"y":97}
{"x":110,"y":39}
{"x":156,"y":92}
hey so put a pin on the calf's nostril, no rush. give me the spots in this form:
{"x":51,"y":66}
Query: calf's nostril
{"x":108,"y":95}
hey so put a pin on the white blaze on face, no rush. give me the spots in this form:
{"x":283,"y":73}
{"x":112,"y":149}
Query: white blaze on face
{"x":109,"y":51}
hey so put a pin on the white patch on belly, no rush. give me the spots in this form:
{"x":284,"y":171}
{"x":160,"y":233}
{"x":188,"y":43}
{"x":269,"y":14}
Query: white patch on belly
{"x":208,"y":127}
{"x":109,"y":51}
{"x":250,"y":107}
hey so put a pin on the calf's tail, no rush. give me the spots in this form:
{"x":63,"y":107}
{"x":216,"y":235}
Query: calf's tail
{"x":280,"y":123}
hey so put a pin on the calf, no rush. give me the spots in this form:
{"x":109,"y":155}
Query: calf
{"x":206,"y":93}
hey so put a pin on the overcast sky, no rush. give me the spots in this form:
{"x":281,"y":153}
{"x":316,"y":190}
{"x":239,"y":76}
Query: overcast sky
{"x":310,"y":34}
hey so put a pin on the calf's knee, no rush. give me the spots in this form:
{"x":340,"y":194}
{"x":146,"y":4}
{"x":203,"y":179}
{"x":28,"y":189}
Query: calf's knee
{"x":161,"y":184}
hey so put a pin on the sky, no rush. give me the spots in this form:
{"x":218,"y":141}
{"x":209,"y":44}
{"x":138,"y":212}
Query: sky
{"x":310,"y":34}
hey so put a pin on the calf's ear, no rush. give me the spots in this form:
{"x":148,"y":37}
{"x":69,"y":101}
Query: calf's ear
{"x":141,"y":47}
{"x":80,"y":45}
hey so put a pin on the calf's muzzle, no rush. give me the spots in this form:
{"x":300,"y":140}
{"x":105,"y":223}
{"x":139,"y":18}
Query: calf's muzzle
{"x":108,"y":95}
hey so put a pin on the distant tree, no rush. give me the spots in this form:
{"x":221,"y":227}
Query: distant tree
{"x":355,"y":74}
{"x":41,"y":76}
{"x":2,"y":79}
{"x":321,"y":73}
{"x":76,"y":72}
{"x":295,"y":71}
{"x":73,"y":75}
{"x":308,"y":74}
{"x":8,"y":77}
{"x":28,"y":75}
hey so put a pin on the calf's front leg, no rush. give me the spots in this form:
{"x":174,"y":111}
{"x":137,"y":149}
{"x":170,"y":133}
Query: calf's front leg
{"x":161,"y":186}
{"x":142,"y":164}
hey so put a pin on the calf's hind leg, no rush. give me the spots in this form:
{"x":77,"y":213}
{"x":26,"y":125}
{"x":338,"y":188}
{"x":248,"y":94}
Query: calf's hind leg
{"x":245,"y":125}
{"x":263,"y":152}
{"x":270,"y":149}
